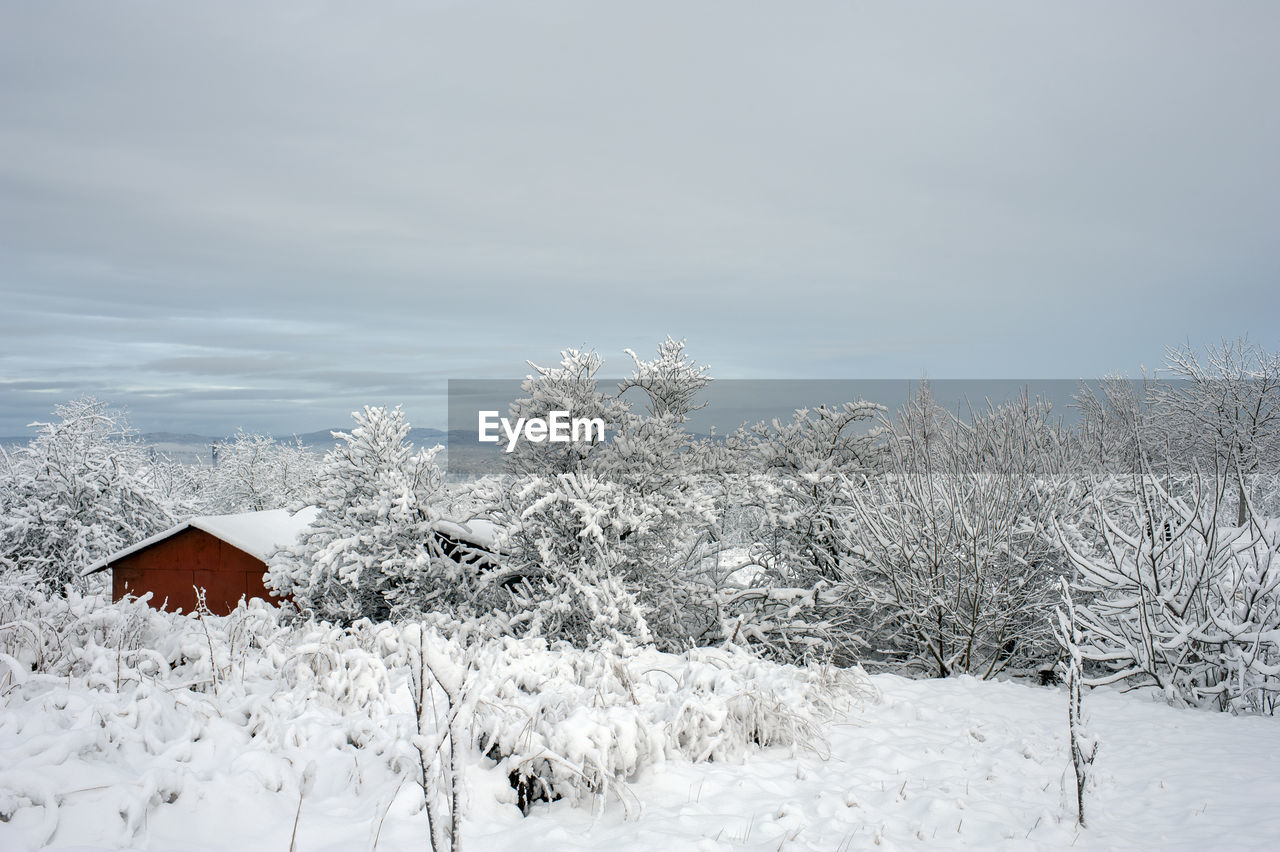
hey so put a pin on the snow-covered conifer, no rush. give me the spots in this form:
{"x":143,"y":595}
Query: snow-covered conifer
{"x":372,"y":551}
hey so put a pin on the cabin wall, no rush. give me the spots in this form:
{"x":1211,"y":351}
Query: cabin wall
{"x":170,"y":569}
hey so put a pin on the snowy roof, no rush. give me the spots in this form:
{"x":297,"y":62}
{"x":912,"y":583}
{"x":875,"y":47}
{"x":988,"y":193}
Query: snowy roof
{"x":259,"y":534}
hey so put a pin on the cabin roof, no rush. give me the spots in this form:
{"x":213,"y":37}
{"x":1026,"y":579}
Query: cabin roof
{"x":259,"y":534}
{"x":262,"y":534}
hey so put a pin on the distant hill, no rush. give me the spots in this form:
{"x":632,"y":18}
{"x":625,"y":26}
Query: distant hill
{"x":191,"y":448}
{"x":324,"y":439}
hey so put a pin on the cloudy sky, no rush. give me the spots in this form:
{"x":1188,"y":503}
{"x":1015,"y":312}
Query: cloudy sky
{"x":265,"y":215}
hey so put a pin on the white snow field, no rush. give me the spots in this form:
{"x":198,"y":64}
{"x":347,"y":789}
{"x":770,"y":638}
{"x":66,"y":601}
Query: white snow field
{"x":957,"y":762}
{"x":129,"y":737}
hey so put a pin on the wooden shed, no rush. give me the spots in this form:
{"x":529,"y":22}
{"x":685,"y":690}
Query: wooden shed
{"x":225,"y":555}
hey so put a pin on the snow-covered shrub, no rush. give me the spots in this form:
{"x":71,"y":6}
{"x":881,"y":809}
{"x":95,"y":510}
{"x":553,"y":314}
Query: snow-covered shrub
{"x":169,"y":703}
{"x":656,"y":459}
{"x":1117,"y":426}
{"x":48,"y":634}
{"x":954,"y":559}
{"x":1222,"y":413}
{"x":144,"y":707}
{"x":787,"y":624}
{"x":111,"y":645}
{"x":571,"y":578}
{"x":782,"y":497}
{"x":623,"y":539}
{"x":372,"y":551}
{"x":81,"y":490}
{"x":594,"y":721}
{"x":256,"y":472}
{"x":1264,"y":490}
{"x":1174,"y":595}
{"x":577,"y":724}
{"x":806,"y":464}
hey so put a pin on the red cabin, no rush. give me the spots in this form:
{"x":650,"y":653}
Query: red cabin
{"x":225,"y":555}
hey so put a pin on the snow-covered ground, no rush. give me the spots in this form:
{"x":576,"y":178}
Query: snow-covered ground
{"x":945,"y":763}
{"x":948,"y":763}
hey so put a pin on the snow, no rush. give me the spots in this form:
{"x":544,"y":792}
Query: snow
{"x":957,"y":762}
{"x":259,"y":534}
{"x":475,"y":531}
{"x":112,"y":757}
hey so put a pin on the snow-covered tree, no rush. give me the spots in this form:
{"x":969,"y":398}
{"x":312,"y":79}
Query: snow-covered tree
{"x":573,"y":386}
{"x":603,"y":537}
{"x":82,"y":489}
{"x":627,"y":533}
{"x":256,"y":472}
{"x":670,"y":382}
{"x":1081,"y":742}
{"x":372,"y":551}
{"x":654,"y":457}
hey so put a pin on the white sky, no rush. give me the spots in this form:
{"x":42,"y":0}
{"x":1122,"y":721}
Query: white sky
{"x":266,"y":215}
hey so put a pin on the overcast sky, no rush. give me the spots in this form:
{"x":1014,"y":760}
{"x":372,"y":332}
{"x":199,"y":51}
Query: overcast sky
{"x":268,"y":214}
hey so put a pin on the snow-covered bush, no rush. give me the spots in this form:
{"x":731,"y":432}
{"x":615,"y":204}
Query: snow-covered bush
{"x":577,"y":724}
{"x":49,"y":634}
{"x":82,"y":489}
{"x":595,"y":720}
{"x":372,"y":550}
{"x":1219,"y":412}
{"x":571,"y":578}
{"x":168,"y":703}
{"x":1172,"y":594}
{"x":623,"y":539}
{"x":1222,"y":413}
{"x":256,"y":472}
{"x":148,"y":706}
{"x":784,"y":491}
{"x":786,"y":624}
{"x":1117,"y":425}
{"x":805,"y":466}
{"x":954,"y":556}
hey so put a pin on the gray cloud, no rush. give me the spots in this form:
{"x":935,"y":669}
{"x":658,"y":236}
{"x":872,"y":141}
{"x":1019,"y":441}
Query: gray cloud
{"x":231,"y":215}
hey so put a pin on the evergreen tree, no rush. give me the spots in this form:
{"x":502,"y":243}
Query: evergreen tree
{"x":373,"y":550}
